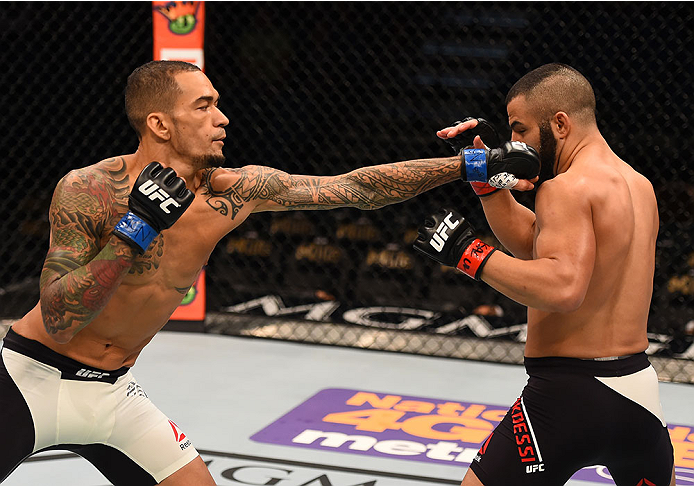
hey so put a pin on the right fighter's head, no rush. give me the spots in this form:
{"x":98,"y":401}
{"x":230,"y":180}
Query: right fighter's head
{"x":174,"y":102}
{"x":544,"y":105}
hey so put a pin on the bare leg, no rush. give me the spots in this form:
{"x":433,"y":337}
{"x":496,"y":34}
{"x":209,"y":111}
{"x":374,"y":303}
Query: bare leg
{"x":471,"y":479}
{"x":672,"y":483}
{"x":193,"y":473}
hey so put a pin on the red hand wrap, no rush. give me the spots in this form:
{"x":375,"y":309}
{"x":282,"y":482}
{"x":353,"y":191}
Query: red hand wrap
{"x":483,"y":189}
{"x":474,"y":257}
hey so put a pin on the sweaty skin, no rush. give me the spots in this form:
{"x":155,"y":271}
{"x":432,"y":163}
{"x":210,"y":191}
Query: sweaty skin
{"x":585,"y":259}
{"x":101,"y":303}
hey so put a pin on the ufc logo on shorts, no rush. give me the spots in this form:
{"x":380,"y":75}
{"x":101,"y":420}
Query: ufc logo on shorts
{"x":85,"y":373}
{"x":440,"y":237}
{"x":154,"y":192}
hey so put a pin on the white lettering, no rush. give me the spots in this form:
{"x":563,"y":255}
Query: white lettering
{"x":534,"y":468}
{"x":450,"y":223}
{"x":411,"y":318}
{"x":85,"y":373}
{"x":400,"y":447}
{"x":336,"y":439}
{"x":168,"y":202}
{"x":441,"y":451}
{"x":437,"y":242}
{"x":161,"y":195}
{"x":273,"y":305}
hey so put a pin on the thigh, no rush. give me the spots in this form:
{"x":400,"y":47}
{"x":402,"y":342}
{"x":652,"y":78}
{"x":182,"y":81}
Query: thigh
{"x":521,"y":451}
{"x":641,"y":451}
{"x":16,"y":423}
{"x":145,"y":435}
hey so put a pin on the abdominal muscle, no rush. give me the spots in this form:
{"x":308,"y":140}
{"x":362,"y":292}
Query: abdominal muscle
{"x":117,"y":335}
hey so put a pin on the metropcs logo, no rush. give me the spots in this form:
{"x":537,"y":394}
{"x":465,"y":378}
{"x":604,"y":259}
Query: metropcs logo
{"x":154,"y":192}
{"x":361,"y":422}
{"x":429,"y":430}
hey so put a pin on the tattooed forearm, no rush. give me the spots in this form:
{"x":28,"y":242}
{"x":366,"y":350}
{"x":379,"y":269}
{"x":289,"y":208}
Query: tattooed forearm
{"x":79,"y":277}
{"x":75,"y":299}
{"x":365,"y":188}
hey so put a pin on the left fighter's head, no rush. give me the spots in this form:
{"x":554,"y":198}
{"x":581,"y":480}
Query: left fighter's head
{"x":544,"y":105}
{"x":173,"y":103}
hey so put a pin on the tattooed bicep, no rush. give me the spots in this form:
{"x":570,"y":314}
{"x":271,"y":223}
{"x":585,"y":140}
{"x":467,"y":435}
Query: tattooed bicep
{"x":77,"y":215}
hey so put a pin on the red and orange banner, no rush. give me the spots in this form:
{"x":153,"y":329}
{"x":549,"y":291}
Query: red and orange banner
{"x":179,"y":32}
{"x":179,"y":35}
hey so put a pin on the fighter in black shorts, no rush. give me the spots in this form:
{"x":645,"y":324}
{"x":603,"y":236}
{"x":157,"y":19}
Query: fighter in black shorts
{"x":583,"y":263}
{"x":575,"y":413}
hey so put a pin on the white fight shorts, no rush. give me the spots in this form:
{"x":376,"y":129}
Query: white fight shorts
{"x":49,"y":402}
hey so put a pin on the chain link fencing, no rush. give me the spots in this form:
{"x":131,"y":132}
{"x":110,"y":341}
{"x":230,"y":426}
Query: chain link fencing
{"x":323,"y":88}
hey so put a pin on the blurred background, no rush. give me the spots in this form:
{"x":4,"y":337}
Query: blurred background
{"x":323,"y":88}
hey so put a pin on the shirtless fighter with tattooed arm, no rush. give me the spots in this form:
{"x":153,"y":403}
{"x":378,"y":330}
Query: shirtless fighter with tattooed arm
{"x":129,"y":236}
{"x":583,"y":264}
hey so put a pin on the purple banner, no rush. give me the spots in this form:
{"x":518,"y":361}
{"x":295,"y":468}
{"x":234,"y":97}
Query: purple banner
{"x":417,"y":429}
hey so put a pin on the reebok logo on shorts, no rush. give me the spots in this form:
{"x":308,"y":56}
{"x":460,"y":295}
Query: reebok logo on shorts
{"x":483,"y":449}
{"x":180,"y":436}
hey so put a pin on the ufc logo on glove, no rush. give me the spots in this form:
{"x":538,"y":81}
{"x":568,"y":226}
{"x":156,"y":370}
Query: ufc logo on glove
{"x":153,"y":191}
{"x":454,"y":242}
{"x":438,"y":239}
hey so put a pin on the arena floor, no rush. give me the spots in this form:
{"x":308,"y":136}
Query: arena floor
{"x":253,"y":408}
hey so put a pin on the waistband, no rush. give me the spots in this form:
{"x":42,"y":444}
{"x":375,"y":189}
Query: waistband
{"x":617,"y":366}
{"x":68,"y":367}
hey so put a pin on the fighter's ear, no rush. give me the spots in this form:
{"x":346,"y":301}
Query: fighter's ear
{"x":158,"y":124}
{"x":561,"y":124}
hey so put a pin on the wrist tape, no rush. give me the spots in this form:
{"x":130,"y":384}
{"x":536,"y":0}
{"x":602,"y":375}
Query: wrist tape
{"x":134,"y":229}
{"x":483,"y":189}
{"x":475,"y":164}
{"x":474,"y":257}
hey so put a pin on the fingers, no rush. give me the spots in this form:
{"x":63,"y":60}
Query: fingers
{"x":524,"y":185}
{"x":450,"y":132}
{"x":478,"y":143}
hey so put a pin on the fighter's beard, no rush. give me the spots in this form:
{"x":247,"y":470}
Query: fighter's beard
{"x":547,"y":152}
{"x":207,"y":161}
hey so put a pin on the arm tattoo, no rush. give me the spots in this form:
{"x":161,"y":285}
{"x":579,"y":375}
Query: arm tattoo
{"x":79,"y":277}
{"x":365,"y":188}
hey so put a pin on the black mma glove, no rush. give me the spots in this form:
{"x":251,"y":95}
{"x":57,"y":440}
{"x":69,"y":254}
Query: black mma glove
{"x":156,"y":202}
{"x":499,"y":168}
{"x":484,"y":129}
{"x":449,"y":239}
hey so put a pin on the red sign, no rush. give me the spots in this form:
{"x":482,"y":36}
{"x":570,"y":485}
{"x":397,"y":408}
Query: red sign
{"x":179,"y":32}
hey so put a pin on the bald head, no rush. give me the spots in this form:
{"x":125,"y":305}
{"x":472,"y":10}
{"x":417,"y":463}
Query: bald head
{"x":556,"y":87}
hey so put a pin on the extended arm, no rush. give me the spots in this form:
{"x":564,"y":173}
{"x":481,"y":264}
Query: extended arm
{"x":267,"y":189}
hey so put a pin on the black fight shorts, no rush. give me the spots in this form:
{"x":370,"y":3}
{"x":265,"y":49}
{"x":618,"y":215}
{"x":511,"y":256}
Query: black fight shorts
{"x":575,"y":413}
